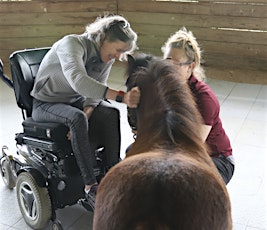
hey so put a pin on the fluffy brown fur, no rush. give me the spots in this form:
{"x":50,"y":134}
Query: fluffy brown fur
{"x":167,"y":116}
{"x":168,"y":180}
{"x":158,"y":191}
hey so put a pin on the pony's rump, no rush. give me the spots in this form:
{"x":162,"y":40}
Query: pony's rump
{"x":161,"y":191}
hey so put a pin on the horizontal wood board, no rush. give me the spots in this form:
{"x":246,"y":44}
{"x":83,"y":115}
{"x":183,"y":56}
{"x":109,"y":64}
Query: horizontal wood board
{"x":232,"y":34}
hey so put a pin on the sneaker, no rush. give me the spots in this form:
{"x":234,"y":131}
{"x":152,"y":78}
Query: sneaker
{"x":90,"y":197}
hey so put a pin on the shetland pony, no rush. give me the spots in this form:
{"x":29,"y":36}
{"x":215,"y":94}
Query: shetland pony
{"x":167,"y":117}
{"x":168,"y":180}
{"x":159,"y":191}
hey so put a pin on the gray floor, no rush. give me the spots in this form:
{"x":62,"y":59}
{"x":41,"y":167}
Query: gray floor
{"x":244,"y":115}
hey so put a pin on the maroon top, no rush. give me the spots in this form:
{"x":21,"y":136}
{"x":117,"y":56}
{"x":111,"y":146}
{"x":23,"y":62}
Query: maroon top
{"x":209,"y":108}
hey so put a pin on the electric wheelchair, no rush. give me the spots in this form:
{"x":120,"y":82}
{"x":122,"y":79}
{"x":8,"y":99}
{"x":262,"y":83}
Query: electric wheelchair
{"x":44,"y":170}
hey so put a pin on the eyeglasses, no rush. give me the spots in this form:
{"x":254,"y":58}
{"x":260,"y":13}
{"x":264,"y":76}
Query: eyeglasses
{"x":178,"y":63}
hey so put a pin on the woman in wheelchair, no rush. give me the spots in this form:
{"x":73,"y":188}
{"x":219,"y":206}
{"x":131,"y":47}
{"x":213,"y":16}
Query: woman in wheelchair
{"x":71,"y":83}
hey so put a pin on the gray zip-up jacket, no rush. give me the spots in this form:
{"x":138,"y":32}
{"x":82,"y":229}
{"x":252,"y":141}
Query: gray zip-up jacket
{"x":70,"y":70}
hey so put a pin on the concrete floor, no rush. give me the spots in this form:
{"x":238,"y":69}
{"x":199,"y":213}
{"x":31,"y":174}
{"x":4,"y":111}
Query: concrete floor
{"x":244,"y":115}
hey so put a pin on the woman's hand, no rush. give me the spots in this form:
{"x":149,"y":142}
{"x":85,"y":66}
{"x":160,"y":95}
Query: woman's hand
{"x":88,"y":111}
{"x":132,"y":97}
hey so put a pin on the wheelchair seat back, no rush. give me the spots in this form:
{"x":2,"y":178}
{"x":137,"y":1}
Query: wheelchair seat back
{"x":48,"y":136}
{"x":24,"y":65}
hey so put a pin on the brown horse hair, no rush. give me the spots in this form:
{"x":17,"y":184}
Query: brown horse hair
{"x":167,"y":181}
{"x":158,"y":191}
{"x":168,"y":118}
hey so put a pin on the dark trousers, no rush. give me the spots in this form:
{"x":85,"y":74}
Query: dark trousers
{"x":225,"y":167}
{"x":73,"y":117}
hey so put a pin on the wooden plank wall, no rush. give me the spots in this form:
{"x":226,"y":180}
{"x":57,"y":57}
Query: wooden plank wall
{"x":232,"y":33}
{"x":30,"y":24}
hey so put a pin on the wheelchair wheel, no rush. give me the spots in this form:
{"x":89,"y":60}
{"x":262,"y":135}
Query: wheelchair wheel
{"x":34,"y":201}
{"x":7,"y":174}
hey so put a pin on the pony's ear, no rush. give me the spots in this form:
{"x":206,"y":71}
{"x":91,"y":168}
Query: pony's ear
{"x":131,"y":60}
{"x":130,"y":70}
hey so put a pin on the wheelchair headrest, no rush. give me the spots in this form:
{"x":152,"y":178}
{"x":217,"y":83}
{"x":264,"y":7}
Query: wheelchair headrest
{"x":24,"y":65}
{"x":1,"y":68}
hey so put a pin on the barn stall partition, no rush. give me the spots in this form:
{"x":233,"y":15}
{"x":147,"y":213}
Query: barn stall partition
{"x":232,"y":33}
{"x":33,"y":24}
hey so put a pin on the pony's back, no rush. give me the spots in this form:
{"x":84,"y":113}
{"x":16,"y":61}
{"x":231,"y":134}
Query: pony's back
{"x":161,"y":192}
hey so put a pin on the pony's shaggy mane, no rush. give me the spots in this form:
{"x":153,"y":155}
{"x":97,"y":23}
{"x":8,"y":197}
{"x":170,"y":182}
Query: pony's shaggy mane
{"x":168,"y":180}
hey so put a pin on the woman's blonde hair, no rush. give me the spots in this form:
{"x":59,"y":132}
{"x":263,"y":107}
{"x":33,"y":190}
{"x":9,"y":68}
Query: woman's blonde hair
{"x":112,"y":28}
{"x":184,"y":39}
